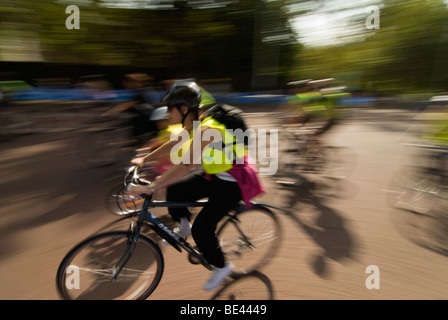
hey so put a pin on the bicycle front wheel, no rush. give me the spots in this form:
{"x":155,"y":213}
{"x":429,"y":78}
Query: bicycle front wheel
{"x":251,"y":239}
{"x":86,"y":272}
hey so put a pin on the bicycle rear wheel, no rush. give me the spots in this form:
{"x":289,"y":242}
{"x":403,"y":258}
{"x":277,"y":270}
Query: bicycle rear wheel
{"x":414,"y":191}
{"x":251,"y":240}
{"x":86,"y":272}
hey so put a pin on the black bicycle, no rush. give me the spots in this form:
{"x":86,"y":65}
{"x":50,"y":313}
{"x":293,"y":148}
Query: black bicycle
{"x":303,"y":153}
{"x":418,"y":187}
{"x":419,"y":194}
{"x":129,"y":265}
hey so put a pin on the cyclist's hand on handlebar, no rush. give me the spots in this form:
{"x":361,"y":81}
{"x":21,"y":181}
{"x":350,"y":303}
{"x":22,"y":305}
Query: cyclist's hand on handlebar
{"x":138,"y":190}
{"x":138,"y":161}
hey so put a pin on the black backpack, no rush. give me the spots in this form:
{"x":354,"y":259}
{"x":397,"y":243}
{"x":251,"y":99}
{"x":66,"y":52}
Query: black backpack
{"x":230,"y":116}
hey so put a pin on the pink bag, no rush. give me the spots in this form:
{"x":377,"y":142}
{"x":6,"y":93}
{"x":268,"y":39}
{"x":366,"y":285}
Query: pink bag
{"x":246,"y":175}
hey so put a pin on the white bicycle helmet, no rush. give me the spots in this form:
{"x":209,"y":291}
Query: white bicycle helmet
{"x":160,"y":114}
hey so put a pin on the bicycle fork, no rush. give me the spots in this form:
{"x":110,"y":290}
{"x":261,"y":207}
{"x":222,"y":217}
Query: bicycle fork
{"x":134,"y":232}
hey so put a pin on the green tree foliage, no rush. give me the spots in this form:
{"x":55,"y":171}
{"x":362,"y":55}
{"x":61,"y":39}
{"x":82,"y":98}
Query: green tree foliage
{"x":250,"y":41}
{"x":407,"y":53}
{"x":221,"y":39}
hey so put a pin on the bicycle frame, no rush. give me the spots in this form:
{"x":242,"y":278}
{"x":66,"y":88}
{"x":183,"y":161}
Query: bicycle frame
{"x":161,"y":229}
{"x":145,"y":216}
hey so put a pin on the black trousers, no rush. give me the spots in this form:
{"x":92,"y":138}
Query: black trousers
{"x":222,"y":197}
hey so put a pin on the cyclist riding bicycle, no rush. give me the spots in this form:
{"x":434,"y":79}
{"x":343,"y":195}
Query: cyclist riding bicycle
{"x":161,"y":117}
{"x":435,"y":132}
{"x":223,"y":181}
{"x":139,"y":107}
{"x":313,"y":105}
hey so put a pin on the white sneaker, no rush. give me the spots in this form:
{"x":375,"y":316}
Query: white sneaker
{"x":184,"y":229}
{"x":218,"y":276}
{"x":183,"y":232}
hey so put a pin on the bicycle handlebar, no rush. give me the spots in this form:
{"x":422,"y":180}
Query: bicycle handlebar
{"x":136,"y":179}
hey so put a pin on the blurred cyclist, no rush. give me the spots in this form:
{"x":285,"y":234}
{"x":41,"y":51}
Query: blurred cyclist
{"x":332,"y":98}
{"x":313,"y":105}
{"x":161,"y":118}
{"x":139,"y":107}
{"x":222,"y":182}
{"x":436,"y":116}
{"x":435,"y":131}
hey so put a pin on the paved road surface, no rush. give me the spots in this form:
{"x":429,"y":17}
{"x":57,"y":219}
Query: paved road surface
{"x":51,"y":201}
